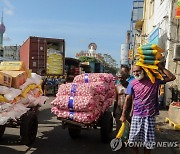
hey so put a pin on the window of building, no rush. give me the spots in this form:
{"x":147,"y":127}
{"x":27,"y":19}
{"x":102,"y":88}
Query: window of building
{"x":138,"y":4}
{"x":140,"y":13}
{"x":137,"y":14}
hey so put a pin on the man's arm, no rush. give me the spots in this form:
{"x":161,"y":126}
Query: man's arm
{"x":127,"y":103}
{"x":168,"y":75}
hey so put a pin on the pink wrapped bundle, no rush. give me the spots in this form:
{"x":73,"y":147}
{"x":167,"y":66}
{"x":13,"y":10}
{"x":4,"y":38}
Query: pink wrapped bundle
{"x":107,"y":104}
{"x":110,"y":94}
{"x":111,"y":85}
{"x":81,"y":117}
{"x":77,"y":103}
{"x":82,"y":89}
{"x":94,"y":77}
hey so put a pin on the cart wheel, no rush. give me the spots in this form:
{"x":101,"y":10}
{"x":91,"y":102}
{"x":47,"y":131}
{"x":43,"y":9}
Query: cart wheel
{"x":106,"y":126}
{"x":74,"y":131}
{"x":2,"y":129}
{"x":28,"y":128}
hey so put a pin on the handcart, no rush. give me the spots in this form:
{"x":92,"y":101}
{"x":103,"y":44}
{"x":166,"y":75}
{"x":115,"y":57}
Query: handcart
{"x":28,"y":124}
{"x":104,"y":122}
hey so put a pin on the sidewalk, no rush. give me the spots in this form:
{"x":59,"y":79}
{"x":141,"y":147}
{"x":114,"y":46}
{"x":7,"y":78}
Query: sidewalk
{"x":166,"y":133}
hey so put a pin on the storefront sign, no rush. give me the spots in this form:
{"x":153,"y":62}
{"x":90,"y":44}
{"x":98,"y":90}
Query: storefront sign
{"x":178,"y":9}
{"x":153,"y":38}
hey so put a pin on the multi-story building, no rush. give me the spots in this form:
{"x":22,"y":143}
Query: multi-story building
{"x":160,"y":25}
{"x":136,"y":25}
{"x":11,"y":52}
{"x":2,"y":30}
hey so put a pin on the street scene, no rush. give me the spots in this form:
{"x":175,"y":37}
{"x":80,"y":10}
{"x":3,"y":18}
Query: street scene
{"x":99,"y":81}
{"x":52,"y":138}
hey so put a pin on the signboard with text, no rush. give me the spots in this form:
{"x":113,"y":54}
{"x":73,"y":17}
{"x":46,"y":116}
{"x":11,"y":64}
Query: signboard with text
{"x":177,"y":15}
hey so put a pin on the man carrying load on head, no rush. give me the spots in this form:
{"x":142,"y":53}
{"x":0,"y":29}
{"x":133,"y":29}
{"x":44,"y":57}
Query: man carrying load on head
{"x":145,"y":99}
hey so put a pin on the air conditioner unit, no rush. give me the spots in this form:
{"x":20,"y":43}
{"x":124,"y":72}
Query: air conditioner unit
{"x":176,"y":56}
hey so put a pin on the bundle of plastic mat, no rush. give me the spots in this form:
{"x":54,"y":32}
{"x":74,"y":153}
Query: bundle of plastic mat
{"x":85,"y":98}
{"x":148,"y":57}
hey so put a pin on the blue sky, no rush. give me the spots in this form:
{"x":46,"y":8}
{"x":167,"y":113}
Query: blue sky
{"x":79,"y":22}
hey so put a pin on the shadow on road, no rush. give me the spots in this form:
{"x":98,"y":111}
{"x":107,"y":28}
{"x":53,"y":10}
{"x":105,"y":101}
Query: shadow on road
{"x":8,"y":150}
{"x":87,"y":143}
{"x":10,"y":139}
{"x":45,"y":117}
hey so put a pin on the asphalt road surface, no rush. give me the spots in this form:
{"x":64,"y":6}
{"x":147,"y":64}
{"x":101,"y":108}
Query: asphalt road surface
{"x":52,"y":139}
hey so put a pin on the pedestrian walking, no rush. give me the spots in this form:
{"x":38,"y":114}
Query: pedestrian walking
{"x":144,"y":95}
{"x":120,"y":97}
{"x":126,"y":68}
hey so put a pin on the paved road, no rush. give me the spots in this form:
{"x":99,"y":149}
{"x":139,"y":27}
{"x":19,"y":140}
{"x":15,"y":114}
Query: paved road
{"x":52,"y":139}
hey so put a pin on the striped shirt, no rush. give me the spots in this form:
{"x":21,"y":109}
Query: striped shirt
{"x":145,"y":96}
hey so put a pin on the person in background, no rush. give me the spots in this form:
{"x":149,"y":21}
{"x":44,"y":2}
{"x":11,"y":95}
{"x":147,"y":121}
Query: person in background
{"x":116,"y":79}
{"x":43,"y":77}
{"x":126,"y":69}
{"x":130,"y":77}
{"x":161,"y":96}
{"x":144,"y":95}
{"x":120,"y":97}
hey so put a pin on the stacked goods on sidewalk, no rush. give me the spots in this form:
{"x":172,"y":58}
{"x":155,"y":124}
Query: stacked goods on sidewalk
{"x":86,"y":98}
{"x":173,"y":115}
{"x":148,"y":57}
{"x":174,"y":112}
{"x":19,"y":90}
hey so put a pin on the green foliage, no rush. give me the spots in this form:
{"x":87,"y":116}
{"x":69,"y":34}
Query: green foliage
{"x":111,"y":70}
{"x":108,"y":67}
{"x":88,"y":59}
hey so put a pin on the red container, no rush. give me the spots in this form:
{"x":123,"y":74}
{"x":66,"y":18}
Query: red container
{"x":33,"y":53}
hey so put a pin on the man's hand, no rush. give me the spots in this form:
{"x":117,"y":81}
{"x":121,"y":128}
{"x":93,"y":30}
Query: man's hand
{"x":160,"y":66}
{"x":122,"y":118}
{"x":168,"y":75}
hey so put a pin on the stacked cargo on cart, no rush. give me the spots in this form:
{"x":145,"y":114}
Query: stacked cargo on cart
{"x":85,"y":100}
{"x":20,"y":98}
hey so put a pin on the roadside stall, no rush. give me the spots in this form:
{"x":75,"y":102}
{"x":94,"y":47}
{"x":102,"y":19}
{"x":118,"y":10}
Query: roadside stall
{"x":20,"y":99}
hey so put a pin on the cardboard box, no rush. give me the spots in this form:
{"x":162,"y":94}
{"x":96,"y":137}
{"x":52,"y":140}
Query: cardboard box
{"x":18,"y":77}
{"x":5,"y":79}
{"x":13,"y":66}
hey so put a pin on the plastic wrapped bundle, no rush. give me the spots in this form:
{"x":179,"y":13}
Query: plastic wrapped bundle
{"x":86,"y":98}
{"x":77,"y":103}
{"x":108,"y":102}
{"x":94,"y":77}
{"x":149,"y":48}
{"x":81,"y":89}
{"x":149,"y":56}
{"x":146,"y":55}
{"x":81,"y":117}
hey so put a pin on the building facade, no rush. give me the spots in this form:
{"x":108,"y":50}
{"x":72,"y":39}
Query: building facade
{"x":160,"y":25}
{"x":11,"y":52}
{"x":2,"y":30}
{"x":136,"y":25}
